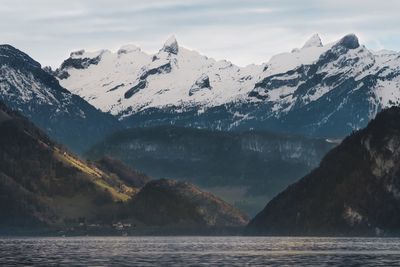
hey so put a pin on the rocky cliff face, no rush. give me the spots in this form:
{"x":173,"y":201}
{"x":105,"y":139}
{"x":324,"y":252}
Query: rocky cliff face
{"x":354,"y":191}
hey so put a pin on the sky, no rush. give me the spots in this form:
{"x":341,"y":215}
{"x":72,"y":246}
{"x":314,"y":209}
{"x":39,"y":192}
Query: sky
{"x":244,"y":32}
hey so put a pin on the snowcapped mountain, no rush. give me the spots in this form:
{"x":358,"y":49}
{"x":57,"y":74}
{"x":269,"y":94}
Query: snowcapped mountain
{"x":27,"y":88}
{"x":130,"y":80}
{"x":341,"y":90}
{"x":326,"y":90}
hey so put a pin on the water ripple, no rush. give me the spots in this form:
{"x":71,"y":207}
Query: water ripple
{"x":199,"y":251}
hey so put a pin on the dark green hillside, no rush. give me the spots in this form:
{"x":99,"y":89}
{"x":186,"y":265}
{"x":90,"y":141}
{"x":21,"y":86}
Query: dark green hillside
{"x":44,"y":186}
{"x":40,"y":181}
{"x":354,"y":191}
{"x":181,"y":204}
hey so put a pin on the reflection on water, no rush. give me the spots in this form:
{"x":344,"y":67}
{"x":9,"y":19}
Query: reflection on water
{"x":199,"y":251}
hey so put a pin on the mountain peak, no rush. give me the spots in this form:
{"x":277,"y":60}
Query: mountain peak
{"x":128,"y":49}
{"x":314,"y":41}
{"x":13,"y":56}
{"x":349,"y":41}
{"x":77,"y":53}
{"x":171,"y":46}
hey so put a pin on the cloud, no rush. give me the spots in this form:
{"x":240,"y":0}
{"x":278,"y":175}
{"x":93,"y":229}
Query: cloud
{"x":243,"y":32}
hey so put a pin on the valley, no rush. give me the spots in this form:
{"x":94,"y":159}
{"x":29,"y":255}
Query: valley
{"x":245,"y":168}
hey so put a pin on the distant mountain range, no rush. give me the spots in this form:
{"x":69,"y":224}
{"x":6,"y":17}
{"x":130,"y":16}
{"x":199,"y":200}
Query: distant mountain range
{"x":246,"y":168}
{"x":354,"y":191}
{"x":43,"y":186}
{"x":319,"y":90}
{"x":262,"y":127}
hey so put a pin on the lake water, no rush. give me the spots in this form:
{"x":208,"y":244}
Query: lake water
{"x":199,"y":251}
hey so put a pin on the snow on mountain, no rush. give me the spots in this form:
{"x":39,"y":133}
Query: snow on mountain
{"x":337,"y":93}
{"x":357,"y":63}
{"x":27,"y":88}
{"x":314,"y":41}
{"x":387,"y":89}
{"x":308,"y":54}
{"x":171,"y":46}
{"x":285,"y":73}
{"x":131,"y":79}
{"x":316,"y":89}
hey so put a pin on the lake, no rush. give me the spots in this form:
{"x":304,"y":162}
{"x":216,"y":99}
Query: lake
{"x":199,"y":251}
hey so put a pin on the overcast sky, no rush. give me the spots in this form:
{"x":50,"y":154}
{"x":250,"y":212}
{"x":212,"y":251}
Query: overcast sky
{"x":244,"y":32}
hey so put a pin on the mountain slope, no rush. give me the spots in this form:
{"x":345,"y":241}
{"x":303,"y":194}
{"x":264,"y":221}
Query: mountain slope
{"x":67,"y":118}
{"x":319,"y":90}
{"x":244,"y":168}
{"x":42,"y":186}
{"x":175,"y":203}
{"x":355,"y":190}
{"x":126,"y":174}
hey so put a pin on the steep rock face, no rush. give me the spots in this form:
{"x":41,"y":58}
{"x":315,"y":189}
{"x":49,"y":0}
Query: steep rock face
{"x":201,"y":83}
{"x":171,"y":46}
{"x":257,"y":164}
{"x":167,"y":202}
{"x":75,"y":61}
{"x":320,"y":90}
{"x":355,"y":190}
{"x":67,"y":118}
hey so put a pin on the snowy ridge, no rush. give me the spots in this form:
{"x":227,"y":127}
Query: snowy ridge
{"x":308,"y":54}
{"x":326,"y":87}
{"x":314,"y":41}
{"x":166,"y":77}
{"x":355,"y":62}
